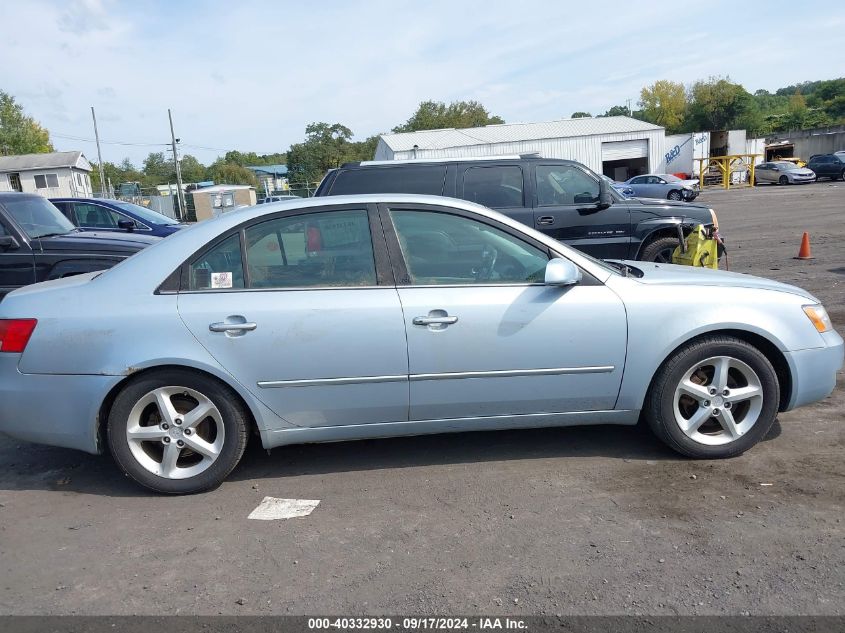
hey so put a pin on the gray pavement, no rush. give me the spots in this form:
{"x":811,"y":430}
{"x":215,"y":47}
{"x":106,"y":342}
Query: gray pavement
{"x":571,"y":521}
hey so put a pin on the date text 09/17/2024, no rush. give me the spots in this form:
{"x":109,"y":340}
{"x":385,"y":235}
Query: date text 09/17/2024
{"x":417,"y":623}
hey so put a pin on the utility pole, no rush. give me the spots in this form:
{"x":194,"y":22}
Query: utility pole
{"x":99,"y":156}
{"x":180,"y":194}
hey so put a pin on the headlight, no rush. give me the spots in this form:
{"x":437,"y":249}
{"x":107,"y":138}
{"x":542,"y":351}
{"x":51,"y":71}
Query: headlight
{"x":818,"y":315}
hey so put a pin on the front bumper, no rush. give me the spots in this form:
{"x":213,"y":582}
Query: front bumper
{"x":58,"y":410}
{"x":814,"y":370}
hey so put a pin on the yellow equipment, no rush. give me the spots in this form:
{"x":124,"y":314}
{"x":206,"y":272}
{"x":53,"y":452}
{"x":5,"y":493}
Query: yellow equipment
{"x":700,"y":248}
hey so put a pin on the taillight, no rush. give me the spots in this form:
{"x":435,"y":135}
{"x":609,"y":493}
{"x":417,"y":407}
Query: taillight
{"x":15,"y":333}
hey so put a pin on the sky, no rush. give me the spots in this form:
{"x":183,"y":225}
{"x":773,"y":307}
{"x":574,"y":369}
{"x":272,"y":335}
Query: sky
{"x":250,"y":75}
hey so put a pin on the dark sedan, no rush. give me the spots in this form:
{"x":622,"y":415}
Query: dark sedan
{"x":100,"y":214}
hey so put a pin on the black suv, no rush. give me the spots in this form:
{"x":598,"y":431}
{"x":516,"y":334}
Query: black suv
{"x":828,"y":166}
{"x":562,"y":198}
{"x":38,"y":243}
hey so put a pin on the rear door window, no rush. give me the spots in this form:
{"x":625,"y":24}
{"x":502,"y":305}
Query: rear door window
{"x":327,"y":249}
{"x":420,"y":179}
{"x":497,"y":187}
{"x":220,"y":267}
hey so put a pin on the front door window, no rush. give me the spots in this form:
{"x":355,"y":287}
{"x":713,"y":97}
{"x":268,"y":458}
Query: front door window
{"x":445,"y":249}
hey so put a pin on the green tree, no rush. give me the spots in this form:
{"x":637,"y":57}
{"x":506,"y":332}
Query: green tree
{"x":116,"y":174}
{"x":719,"y":104}
{"x":797,"y":113}
{"x":617,"y":110}
{"x":664,"y":103}
{"x":434,"y":115}
{"x":20,"y":134}
{"x":326,"y":146}
{"x":581,"y":115}
{"x":251,"y":159}
{"x":222,"y":172}
{"x":192,"y":169}
{"x":157,"y":170}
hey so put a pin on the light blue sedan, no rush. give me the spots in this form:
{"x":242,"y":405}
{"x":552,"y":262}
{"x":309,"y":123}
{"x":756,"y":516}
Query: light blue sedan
{"x":373,"y":316}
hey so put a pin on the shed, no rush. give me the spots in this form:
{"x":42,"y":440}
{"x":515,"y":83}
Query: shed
{"x":212,"y":201}
{"x":271,"y":177}
{"x":53,"y":174}
{"x":618,"y":146}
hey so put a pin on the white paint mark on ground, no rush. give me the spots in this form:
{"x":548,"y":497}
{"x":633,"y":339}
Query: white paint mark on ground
{"x":271,"y":508}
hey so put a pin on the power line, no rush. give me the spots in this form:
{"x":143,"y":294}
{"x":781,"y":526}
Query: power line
{"x":132,"y":144}
{"x":91,"y":140}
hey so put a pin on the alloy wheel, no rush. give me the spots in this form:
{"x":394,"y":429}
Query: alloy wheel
{"x":175,"y":432}
{"x":718,"y":400}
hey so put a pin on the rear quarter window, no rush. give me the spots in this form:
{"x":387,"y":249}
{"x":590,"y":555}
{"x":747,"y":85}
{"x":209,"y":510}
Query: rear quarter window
{"x":420,"y":179}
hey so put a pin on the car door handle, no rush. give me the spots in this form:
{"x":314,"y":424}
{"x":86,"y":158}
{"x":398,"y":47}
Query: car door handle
{"x":545,"y":219}
{"x":222,"y":326}
{"x":437,"y":320}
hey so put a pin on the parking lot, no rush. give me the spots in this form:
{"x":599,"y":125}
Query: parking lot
{"x":574,"y":521}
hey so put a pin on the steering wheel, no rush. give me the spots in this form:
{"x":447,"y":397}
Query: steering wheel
{"x":489,"y":255}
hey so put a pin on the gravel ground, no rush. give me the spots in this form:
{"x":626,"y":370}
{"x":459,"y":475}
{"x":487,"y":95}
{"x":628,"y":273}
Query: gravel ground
{"x":572,"y":521}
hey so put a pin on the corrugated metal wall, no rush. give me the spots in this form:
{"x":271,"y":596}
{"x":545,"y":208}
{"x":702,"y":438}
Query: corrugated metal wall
{"x":584,"y":149}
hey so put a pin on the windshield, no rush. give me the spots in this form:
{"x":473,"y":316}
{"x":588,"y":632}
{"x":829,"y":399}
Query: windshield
{"x":38,"y":217}
{"x":786,"y":165}
{"x":670,"y":178}
{"x":144,"y":213}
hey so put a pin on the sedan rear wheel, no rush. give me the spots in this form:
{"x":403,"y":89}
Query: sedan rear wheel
{"x":716,"y":397}
{"x":176,"y":431}
{"x":783,"y":180}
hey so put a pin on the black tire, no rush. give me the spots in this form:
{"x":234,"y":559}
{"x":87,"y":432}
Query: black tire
{"x":841,"y":176}
{"x":674,"y":195}
{"x":783,"y":180}
{"x":235,"y":426}
{"x":660,"y":250}
{"x":658,"y":409}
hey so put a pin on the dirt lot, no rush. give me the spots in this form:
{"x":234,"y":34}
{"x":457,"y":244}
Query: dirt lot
{"x":573,"y":521}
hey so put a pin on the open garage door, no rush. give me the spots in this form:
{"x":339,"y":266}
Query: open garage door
{"x":622,"y":150}
{"x":624,"y":159}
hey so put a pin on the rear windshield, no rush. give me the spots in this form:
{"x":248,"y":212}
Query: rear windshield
{"x":421,"y":179}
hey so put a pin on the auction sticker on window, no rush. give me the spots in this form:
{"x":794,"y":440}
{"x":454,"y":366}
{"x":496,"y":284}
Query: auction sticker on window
{"x":221,"y":280}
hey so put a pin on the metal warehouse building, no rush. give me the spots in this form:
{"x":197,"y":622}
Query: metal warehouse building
{"x":619,"y":146}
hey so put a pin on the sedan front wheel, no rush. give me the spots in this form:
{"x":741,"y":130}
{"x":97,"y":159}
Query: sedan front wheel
{"x":716,"y":397}
{"x":176,"y":431}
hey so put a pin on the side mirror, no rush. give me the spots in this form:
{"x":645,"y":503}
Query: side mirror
{"x":605,"y":197}
{"x":9,"y":243}
{"x":126,"y":225}
{"x":562,"y":272}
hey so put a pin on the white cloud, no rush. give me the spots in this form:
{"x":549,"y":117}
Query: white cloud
{"x":250,"y":75}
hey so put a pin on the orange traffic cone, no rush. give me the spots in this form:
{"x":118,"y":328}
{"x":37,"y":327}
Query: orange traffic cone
{"x":804,"y":251}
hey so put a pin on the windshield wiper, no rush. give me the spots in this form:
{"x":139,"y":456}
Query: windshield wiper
{"x":625,"y":270}
{"x":38,"y":237}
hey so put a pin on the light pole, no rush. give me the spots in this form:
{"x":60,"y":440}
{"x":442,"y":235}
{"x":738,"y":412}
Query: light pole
{"x":180,"y":194}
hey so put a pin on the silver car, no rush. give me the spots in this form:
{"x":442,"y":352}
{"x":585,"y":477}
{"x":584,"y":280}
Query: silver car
{"x":782,"y":173}
{"x":383,"y":315}
{"x":665,"y":186}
